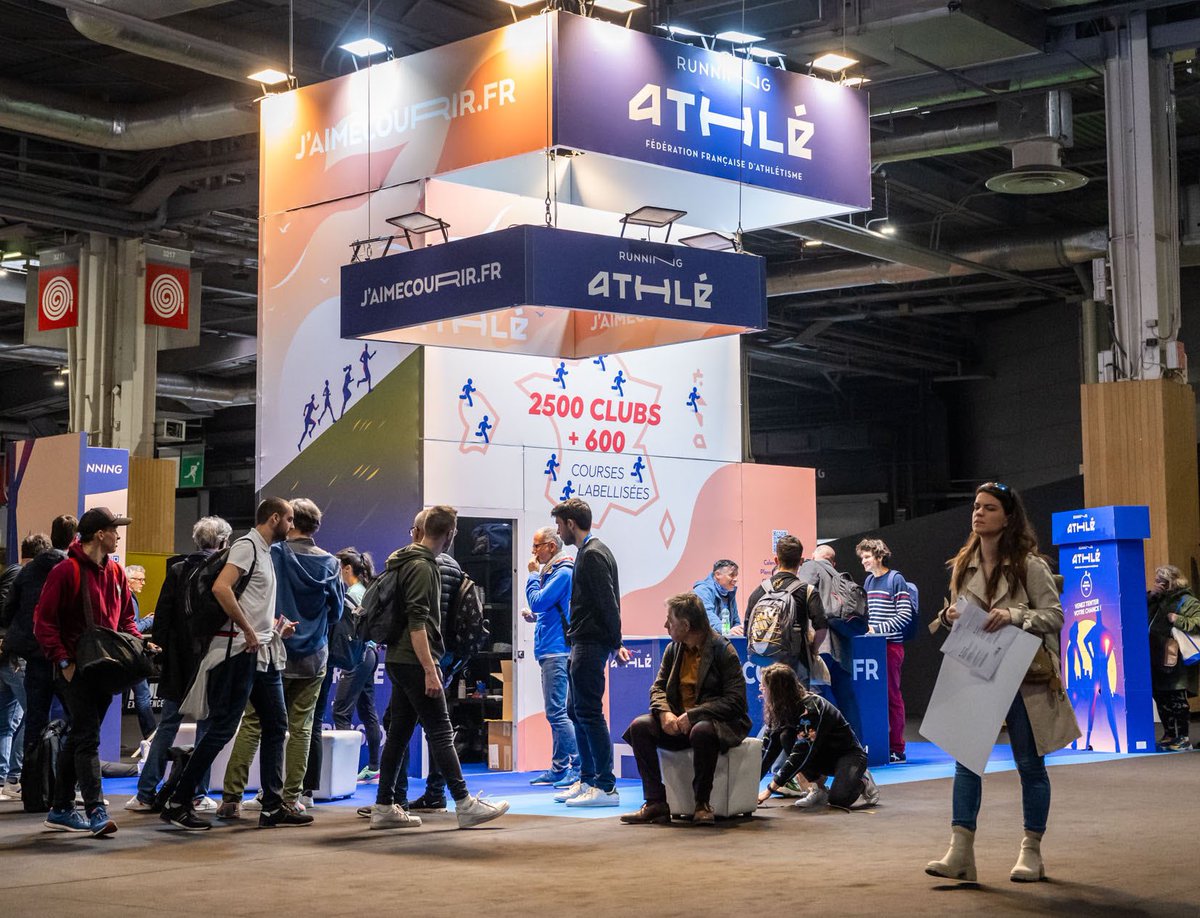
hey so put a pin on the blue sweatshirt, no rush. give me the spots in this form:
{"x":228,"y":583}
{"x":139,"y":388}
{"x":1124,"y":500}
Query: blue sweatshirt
{"x":308,"y":591}
{"x":717,"y":598}
{"x":549,"y":598}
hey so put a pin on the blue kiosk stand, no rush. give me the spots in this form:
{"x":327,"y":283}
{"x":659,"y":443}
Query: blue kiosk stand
{"x":1106,"y":659}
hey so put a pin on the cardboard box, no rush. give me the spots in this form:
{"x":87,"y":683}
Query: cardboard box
{"x":505,"y":678}
{"x":500,"y":745}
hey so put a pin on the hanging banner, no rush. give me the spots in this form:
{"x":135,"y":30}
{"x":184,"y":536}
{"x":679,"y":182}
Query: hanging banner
{"x":58,"y":288}
{"x":168,"y":287}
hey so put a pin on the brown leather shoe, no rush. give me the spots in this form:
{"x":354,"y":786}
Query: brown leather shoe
{"x":657,"y":812}
{"x":704,"y":815}
{"x":229,"y":810}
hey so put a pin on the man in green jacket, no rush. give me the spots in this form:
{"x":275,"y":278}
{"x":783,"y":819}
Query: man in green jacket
{"x":417,"y":693}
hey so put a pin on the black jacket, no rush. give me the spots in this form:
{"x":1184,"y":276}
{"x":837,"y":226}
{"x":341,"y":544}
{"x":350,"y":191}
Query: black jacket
{"x":832,"y":737}
{"x":17,"y":614}
{"x":720,"y":689}
{"x":170,"y":631}
{"x":595,"y":598}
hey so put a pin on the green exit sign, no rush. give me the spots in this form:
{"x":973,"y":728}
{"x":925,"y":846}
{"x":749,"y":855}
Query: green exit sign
{"x":191,"y":471}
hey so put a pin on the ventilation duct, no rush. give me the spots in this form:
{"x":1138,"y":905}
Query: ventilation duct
{"x":1037,"y":169}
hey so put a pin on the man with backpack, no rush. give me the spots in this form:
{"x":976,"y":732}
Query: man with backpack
{"x":782,"y":611}
{"x":891,"y":610}
{"x":242,"y":662}
{"x":89,"y":587}
{"x":415,"y":646}
{"x":41,"y":689}
{"x":170,"y":632}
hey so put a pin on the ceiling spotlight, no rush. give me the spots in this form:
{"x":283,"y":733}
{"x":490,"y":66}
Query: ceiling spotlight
{"x":813,"y":243}
{"x":418,"y":224}
{"x":514,"y":5}
{"x":268,"y":76}
{"x":364,"y":47}
{"x":714,"y":242}
{"x":764,"y":53}
{"x":852,"y":82}
{"x":738,"y":38}
{"x":656,"y":217}
{"x":617,"y":6}
{"x":674,"y":30}
{"x":832,"y":62}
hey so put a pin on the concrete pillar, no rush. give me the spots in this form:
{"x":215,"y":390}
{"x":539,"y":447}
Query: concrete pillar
{"x":112,"y":356}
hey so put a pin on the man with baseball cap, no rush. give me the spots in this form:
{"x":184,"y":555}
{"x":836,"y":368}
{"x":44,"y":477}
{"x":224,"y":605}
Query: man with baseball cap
{"x":87,"y":581}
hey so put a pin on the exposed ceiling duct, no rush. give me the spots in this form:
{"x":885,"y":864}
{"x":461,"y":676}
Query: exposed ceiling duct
{"x":170,"y":385}
{"x":148,"y":126}
{"x":1037,"y":169}
{"x":1011,"y":253}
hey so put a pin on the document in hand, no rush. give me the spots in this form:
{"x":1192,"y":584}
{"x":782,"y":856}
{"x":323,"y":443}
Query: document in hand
{"x":966,"y":710}
{"x":978,"y":650}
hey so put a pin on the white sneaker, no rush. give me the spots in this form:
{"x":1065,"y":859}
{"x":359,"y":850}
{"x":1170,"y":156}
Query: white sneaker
{"x":11,"y":791}
{"x":136,"y":806}
{"x":792,"y":789}
{"x":593,"y":796}
{"x":817,"y":796}
{"x":572,"y":790}
{"x":204,"y":805}
{"x":255,"y":804}
{"x":305,"y":802}
{"x":393,"y":817}
{"x":870,"y":794}
{"x":474,"y":811}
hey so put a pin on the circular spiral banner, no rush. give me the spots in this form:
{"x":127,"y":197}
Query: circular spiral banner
{"x":58,"y":298}
{"x":166,"y":296}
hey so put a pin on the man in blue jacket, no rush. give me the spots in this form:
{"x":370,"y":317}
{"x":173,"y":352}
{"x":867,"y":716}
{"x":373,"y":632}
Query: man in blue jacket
{"x":548,"y":592}
{"x":718,"y":592}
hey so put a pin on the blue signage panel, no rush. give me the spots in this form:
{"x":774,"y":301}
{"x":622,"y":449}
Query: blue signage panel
{"x":649,"y":99}
{"x":104,"y":470}
{"x":1106,"y":660}
{"x":545,"y":266}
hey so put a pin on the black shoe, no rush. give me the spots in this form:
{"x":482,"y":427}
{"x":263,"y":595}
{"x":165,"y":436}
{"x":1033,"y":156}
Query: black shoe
{"x":897,"y":758}
{"x":427,"y":804}
{"x":185,"y":818}
{"x":283,"y":817}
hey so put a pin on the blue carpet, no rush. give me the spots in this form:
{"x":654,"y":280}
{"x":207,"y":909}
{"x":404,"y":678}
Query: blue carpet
{"x":926,"y":762}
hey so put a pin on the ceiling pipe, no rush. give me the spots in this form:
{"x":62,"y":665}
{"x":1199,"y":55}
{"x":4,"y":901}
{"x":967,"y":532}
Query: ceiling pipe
{"x":148,"y":126}
{"x":117,"y":29}
{"x":1023,"y":253}
{"x":170,"y":385}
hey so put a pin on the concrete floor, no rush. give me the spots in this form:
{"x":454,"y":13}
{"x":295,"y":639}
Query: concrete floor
{"x":1120,"y":843}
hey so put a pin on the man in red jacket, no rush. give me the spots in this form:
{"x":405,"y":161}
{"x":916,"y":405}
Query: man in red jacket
{"x":58,"y":622}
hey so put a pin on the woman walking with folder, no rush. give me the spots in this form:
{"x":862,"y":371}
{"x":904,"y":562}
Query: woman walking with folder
{"x":999,"y":569}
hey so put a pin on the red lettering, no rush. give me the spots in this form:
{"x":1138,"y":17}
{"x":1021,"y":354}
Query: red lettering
{"x":655,"y":415}
{"x":597,"y":414}
{"x":536,"y":407}
{"x":639,"y":413}
{"x":608,"y":411}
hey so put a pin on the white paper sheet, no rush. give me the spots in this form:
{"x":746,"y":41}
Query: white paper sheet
{"x":979,"y":650}
{"x":966,"y":710}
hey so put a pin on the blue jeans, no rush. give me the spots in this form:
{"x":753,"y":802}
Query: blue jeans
{"x":554,"y":695}
{"x":12,"y":720}
{"x":585,"y":706}
{"x":156,"y":758}
{"x":231,"y":684}
{"x":1035,"y":783}
{"x":141,"y":704}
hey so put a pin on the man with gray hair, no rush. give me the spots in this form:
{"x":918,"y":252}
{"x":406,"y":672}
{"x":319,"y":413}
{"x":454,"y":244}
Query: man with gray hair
{"x":548,"y":592}
{"x":135,"y":574}
{"x":170,"y":632}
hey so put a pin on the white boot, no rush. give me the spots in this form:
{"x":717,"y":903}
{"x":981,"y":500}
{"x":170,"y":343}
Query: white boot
{"x":959,"y":862}
{"x":1029,"y":867}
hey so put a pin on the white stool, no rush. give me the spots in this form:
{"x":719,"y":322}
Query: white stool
{"x":187,"y":737}
{"x":735,"y":782}
{"x":339,"y":764}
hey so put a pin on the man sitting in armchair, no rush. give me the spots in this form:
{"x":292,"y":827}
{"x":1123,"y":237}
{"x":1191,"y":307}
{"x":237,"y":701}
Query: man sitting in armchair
{"x":698,"y":700}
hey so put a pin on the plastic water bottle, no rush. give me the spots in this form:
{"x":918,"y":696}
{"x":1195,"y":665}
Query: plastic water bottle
{"x":725,"y":621}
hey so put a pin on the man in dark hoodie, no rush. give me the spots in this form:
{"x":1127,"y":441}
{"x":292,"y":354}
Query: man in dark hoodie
{"x":40,"y":688}
{"x":88,"y":585}
{"x":210,"y":535}
{"x":309,"y":592}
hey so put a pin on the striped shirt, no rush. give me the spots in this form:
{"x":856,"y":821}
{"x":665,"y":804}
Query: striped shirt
{"x":889,"y":608}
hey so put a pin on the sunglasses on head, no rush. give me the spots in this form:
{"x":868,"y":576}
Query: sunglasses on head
{"x":995,"y":486}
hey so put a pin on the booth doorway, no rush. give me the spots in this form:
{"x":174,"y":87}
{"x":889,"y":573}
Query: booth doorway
{"x":481,"y":706}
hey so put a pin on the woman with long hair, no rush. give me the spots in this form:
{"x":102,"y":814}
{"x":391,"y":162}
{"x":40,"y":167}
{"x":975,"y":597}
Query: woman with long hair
{"x":817,"y":739}
{"x":1000,"y":570}
{"x":356,"y":688}
{"x":1169,"y":605}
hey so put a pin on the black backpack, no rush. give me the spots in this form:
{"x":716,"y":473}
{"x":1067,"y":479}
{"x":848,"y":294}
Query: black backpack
{"x":772,"y":632}
{"x":465,"y":631}
{"x":347,"y":642}
{"x":377,"y":619}
{"x":202,"y":614}
{"x":39,"y":770}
